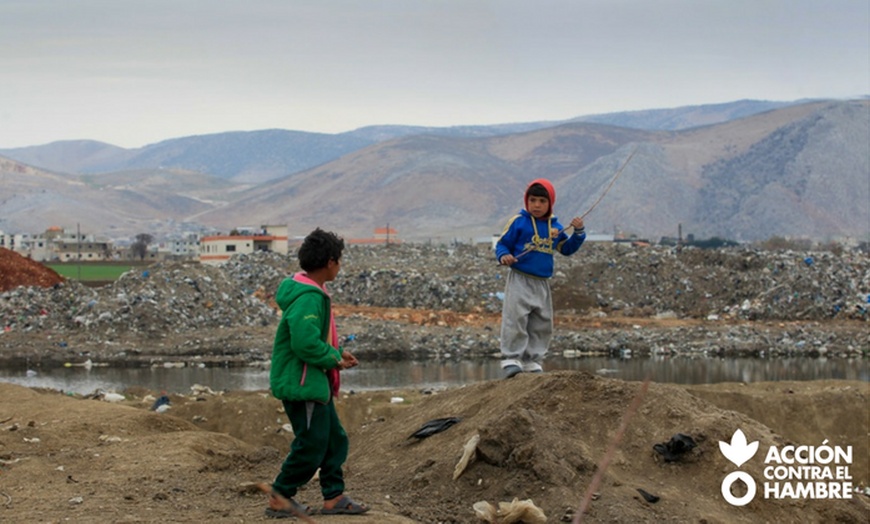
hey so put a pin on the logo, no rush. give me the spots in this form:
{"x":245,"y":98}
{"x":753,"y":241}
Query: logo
{"x":739,"y":452}
{"x":790,"y":472}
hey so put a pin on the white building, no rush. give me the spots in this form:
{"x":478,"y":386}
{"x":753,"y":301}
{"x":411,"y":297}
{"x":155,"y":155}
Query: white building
{"x":217,"y":249}
{"x":182,"y":246}
{"x":58,"y":244}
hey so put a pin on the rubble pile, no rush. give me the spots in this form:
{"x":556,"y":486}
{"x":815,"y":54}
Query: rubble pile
{"x":619,"y":279}
{"x":738,"y":283}
{"x":379,"y":339}
{"x":259,"y":273}
{"x":733,"y":301}
{"x":167,"y":297}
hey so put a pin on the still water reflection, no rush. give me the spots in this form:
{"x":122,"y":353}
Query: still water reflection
{"x":403,"y":374}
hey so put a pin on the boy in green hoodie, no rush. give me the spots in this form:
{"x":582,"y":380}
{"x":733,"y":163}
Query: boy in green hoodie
{"x":306,"y":360}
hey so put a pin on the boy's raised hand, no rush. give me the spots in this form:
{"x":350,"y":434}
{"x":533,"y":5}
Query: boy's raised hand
{"x":507,"y":260}
{"x":577,"y":223}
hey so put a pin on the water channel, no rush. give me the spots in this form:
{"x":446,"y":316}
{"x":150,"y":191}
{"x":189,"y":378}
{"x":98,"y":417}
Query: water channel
{"x":433,"y":375}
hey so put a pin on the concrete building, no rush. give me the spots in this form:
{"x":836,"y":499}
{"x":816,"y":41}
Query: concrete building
{"x":217,"y":249}
{"x":56,"y":244}
{"x":185,"y":245}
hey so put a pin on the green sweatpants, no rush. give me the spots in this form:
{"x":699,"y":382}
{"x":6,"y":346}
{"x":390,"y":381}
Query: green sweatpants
{"x":319,"y":442}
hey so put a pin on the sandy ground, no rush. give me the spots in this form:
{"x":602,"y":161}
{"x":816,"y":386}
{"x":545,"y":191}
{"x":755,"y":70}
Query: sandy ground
{"x":541,"y":437}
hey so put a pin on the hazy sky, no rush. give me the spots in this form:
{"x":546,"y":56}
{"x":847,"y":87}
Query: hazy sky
{"x":137,"y":72}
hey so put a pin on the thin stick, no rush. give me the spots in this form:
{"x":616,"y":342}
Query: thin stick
{"x":619,"y":172}
{"x":611,"y":450}
{"x":606,"y":190}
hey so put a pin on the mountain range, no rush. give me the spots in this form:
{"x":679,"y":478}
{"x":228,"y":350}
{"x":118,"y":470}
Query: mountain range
{"x":745,"y":170}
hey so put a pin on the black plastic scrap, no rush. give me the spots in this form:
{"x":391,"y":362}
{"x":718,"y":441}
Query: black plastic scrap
{"x":675,"y":447}
{"x":434,"y":426}
{"x":649,"y":497}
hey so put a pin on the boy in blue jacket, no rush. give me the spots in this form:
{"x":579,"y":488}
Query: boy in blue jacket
{"x":306,"y":359}
{"x":527,"y":246}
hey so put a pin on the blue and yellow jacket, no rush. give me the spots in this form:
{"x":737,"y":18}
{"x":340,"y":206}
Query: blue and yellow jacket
{"x":533,"y":241}
{"x":544,"y":236}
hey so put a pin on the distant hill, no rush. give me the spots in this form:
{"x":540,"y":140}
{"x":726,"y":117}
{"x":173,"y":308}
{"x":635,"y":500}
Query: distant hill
{"x":69,"y":156}
{"x":801,"y":170}
{"x":685,"y":117}
{"x":258,"y":156}
{"x":733,"y":180}
{"x":114,"y":205}
{"x":244,"y":157}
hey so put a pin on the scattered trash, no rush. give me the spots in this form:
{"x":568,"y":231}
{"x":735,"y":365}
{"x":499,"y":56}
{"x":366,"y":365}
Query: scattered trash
{"x":649,"y":497}
{"x":676,"y":447}
{"x":523,"y":511}
{"x":724,"y":286}
{"x":159,"y":403}
{"x":434,"y":426}
{"x":198,"y":389}
{"x":107,"y":396}
{"x":468,"y":454}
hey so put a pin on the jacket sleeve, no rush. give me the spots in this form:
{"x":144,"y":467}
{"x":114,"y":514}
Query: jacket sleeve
{"x":508,"y":239}
{"x":568,"y":245}
{"x":305,"y":321}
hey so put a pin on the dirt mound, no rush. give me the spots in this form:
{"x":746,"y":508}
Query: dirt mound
{"x":541,"y":438}
{"x":16,"y":270}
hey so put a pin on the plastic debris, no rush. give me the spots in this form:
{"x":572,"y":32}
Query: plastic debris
{"x":434,"y":426}
{"x":468,"y":453}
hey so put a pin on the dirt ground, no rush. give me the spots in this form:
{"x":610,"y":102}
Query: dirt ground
{"x":70,"y":459}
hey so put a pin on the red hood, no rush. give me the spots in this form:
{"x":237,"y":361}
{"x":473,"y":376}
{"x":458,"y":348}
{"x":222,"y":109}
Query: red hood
{"x":549,"y":187}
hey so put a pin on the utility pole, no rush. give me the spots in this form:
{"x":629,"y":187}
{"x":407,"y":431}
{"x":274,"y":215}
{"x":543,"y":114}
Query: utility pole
{"x":79,"y":250}
{"x":679,"y":237}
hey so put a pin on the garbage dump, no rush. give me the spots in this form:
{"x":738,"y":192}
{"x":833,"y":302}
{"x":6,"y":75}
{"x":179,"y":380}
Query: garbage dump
{"x":737,"y":299}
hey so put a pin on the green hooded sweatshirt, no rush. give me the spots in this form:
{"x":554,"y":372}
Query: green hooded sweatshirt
{"x":301,"y":353}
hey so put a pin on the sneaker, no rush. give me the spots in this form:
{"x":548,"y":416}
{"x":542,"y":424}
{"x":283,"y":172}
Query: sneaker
{"x":532,"y":367}
{"x":511,"y":371}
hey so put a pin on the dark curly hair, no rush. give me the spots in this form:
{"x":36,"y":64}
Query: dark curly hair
{"x":318,"y":248}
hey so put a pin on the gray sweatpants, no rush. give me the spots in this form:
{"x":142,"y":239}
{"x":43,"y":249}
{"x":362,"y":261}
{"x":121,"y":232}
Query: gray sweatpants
{"x":526,"y":321}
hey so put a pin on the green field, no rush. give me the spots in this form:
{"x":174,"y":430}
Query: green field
{"x":91,"y":272}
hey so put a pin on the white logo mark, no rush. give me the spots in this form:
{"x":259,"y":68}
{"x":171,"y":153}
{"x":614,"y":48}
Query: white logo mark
{"x":738,"y":451}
